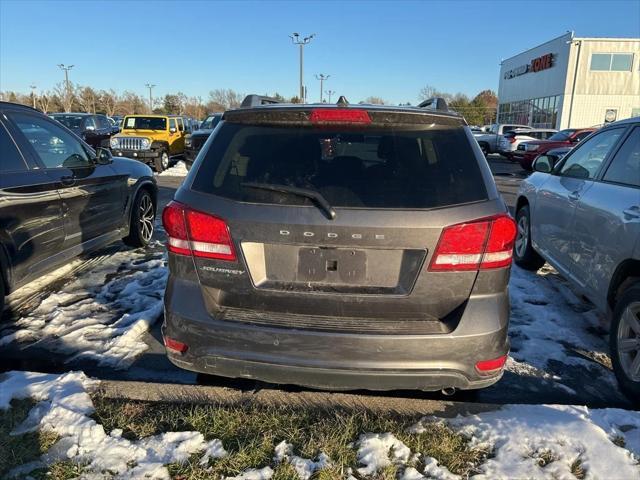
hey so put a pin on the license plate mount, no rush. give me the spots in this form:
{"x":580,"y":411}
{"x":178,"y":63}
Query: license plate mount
{"x":344,"y":266}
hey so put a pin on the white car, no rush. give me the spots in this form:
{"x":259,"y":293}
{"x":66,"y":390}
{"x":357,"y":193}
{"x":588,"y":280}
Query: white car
{"x":509,"y":142}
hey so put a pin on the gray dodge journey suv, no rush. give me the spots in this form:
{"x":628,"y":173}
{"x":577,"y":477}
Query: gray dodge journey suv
{"x":340,"y":247}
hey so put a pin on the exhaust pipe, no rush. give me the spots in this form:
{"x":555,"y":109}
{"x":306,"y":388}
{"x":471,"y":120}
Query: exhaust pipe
{"x":449,"y":391}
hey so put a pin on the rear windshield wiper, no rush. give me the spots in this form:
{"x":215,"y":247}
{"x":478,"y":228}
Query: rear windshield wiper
{"x":314,"y":195}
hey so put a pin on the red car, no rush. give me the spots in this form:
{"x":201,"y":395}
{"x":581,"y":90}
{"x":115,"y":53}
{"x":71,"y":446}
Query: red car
{"x":528,"y":151}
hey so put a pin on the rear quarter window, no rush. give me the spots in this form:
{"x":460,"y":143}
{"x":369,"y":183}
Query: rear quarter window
{"x":367,"y":168}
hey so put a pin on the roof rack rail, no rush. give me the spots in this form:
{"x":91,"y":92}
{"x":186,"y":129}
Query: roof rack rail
{"x":255,"y":100}
{"x":435,"y":103}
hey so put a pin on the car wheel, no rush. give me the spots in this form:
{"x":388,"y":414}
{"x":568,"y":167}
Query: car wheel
{"x":162,"y":161}
{"x":523,"y":253}
{"x":143,"y":216}
{"x":624,"y":340}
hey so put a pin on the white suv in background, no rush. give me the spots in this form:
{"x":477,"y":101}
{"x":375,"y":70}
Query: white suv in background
{"x":509,"y":142}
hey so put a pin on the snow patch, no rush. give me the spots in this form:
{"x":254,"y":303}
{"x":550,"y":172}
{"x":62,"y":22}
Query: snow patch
{"x":304,"y":467}
{"x":549,"y":323}
{"x":375,"y":450}
{"x":102,"y":314}
{"x":64,"y":408}
{"x":520,"y":434}
{"x":254,"y":474}
{"x":178,"y":170}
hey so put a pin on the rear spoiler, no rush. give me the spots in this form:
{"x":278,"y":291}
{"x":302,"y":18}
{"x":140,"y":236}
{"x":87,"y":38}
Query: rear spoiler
{"x":255,"y":100}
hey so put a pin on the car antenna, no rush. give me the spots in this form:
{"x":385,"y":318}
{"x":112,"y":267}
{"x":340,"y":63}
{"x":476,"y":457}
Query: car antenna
{"x":342,"y":101}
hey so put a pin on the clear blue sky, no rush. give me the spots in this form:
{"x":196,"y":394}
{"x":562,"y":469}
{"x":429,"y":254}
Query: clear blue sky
{"x":385,"y":49}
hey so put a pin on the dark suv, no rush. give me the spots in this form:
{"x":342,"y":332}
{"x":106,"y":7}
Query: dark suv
{"x":96,"y":130}
{"x":195,"y":140}
{"x":59,"y":198}
{"x":340,"y":247}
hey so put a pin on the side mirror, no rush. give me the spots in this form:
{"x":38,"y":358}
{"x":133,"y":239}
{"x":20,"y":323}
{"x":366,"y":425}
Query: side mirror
{"x":172,"y":130}
{"x":103,"y":156}
{"x":543,"y":164}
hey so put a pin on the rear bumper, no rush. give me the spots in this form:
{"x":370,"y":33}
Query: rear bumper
{"x":337,"y":361}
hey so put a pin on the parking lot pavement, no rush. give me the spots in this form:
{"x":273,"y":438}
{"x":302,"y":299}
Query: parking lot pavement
{"x":559,"y":345}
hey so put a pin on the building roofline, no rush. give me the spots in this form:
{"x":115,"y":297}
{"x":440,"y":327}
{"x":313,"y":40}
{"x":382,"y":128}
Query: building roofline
{"x":536,"y":46}
{"x":608,"y":39}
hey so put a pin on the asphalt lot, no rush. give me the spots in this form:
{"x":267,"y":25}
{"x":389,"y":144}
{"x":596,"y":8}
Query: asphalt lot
{"x":531,"y":386}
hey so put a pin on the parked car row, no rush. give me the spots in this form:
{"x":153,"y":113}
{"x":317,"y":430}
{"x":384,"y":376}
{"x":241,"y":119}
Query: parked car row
{"x":489,"y":140}
{"x":510,"y":140}
{"x":152,"y":139}
{"x":527,"y":151}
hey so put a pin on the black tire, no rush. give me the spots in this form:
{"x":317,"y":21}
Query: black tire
{"x":143,"y":214}
{"x":523,"y":253}
{"x":162,"y":161}
{"x":627,"y":308}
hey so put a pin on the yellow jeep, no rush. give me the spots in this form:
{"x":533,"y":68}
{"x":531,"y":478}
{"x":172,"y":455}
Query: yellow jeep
{"x":152,"y":139}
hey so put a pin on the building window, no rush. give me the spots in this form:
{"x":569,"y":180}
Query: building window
{"x":611,"y":62}
{"x":538,"y":112}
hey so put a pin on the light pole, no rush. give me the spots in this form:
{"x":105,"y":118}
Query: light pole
{"x":329,"y":93}
{"x":66,"y":69}
{"x":322,"y":77}
{"x":295,"y":38}
{"x":33,"y":94}
{"x":150,"y":86}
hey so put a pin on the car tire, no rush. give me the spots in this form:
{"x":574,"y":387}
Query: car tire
{"x":142,"y":220}
{"x":523,"y":253}
{"x":162,"y":161}
{"x":624,"y":334}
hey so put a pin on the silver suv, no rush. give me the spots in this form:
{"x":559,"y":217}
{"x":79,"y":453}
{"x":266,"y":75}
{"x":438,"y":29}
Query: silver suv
{"x":340,"y":247}
{"x":583,"y":217}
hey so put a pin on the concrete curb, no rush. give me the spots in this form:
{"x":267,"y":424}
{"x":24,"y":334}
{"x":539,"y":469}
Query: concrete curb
{"x":173,"y":393}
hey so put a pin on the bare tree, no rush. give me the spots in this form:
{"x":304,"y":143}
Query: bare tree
{"x":44,"y":100}
{"x":87,"y":97}
{"x":66,"y":96}
{"x":426,"y":92}
{"x":375,"y":101}
{"x":227,"y":98}
{"x":108,"y":101}
{"x":132,"y":103}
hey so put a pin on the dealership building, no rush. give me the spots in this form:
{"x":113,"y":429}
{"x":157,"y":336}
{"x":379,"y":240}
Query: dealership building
{"x":571,"y":82}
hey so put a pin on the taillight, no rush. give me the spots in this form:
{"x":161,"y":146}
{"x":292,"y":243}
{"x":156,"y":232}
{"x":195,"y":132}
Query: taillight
{"x":511,"y":139}
{"x":481,"y":244}
{"x":175,"y":345}
{"x":195,"y":233}
{"x":489,"y":367}
{"x":339,"y":115}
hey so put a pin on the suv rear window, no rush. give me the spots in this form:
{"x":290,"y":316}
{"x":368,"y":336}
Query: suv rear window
{"x":386,"y":168}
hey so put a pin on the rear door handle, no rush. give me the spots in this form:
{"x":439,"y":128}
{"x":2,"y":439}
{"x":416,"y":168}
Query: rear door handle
{"x":68,"y":181}
{"x":574,"y":195}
